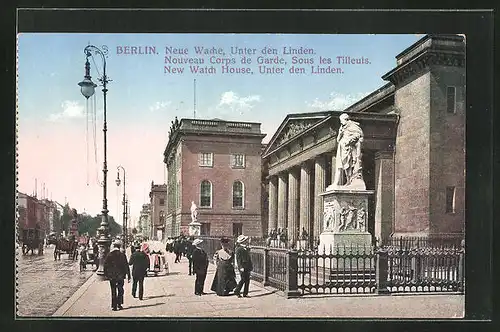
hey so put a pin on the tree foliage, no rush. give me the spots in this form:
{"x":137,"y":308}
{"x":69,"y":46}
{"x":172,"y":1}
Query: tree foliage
{"x":89,"y":224}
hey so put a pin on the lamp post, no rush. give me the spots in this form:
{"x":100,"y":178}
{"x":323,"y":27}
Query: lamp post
{"x":88,"y":89}
{"x":124,"y":203}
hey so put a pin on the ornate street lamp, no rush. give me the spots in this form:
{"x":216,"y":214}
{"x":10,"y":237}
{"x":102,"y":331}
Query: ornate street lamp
{"x":88,"y":89}
{"x":124,"y":203}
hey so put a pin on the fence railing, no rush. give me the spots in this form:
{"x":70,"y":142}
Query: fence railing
{"x":347,"y":270}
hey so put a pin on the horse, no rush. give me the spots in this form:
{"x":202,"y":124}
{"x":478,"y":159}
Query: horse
{"x":68,"y":246}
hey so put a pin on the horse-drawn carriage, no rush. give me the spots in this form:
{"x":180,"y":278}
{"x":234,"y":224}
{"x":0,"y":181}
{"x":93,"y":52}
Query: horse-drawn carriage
{"x":66,"y":245}
{"x":32,"y":239}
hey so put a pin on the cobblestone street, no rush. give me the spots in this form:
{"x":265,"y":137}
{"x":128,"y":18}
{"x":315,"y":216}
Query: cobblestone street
{"x":44,"y":284}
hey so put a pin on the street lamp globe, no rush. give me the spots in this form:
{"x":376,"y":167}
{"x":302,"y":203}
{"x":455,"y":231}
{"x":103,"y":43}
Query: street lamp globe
{"x":87,"y":87}
{"x":118,"y":181}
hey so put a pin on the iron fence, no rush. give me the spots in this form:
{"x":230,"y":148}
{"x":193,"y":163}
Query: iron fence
{"x":428,"y":269}
{"x":422,"y":242}
{"x":341,"y":270}
{"x":360,"y":269}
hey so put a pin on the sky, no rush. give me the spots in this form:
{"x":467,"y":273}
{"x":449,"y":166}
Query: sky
{"x":60,"y":138}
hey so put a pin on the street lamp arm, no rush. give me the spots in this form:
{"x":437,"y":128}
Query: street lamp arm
{"x":89,"y":51}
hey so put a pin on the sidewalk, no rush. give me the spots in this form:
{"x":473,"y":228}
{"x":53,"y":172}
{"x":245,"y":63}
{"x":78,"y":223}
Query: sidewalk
{"x":173,"y":296}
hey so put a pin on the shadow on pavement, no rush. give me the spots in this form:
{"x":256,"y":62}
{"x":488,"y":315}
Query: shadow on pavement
{"x":264,"y":294}
{"x":143,"y":306}
{"x":157,"y":296}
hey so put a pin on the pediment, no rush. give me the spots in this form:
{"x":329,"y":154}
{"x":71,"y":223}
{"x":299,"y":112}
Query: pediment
{"x":293,"y":126}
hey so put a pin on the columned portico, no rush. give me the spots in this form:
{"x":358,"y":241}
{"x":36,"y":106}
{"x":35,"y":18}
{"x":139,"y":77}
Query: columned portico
{"x":273,"y":203}
{"x":319,"y":188}
{"x":305,"y":198}
{"x":301,"y":156}
{"x":293,"y":205}
{"x":282,"y":200}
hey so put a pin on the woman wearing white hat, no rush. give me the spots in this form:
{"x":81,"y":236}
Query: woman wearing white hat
{"x":200,"y":266}
{"x":225,"y":278}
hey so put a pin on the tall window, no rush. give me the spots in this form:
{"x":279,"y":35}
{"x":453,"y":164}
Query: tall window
{"x":238,"y":195}
{"x":206,"y":159}
{"x":238,"y":160}
{"x":450,"y":199}
{"x":451,"y":94}
{"x":162,"y":201}
{"x":206,"y":194}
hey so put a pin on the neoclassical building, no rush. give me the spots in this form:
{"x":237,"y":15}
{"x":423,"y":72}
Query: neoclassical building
{"x":217,"y":165}
{"x":413,"y":150}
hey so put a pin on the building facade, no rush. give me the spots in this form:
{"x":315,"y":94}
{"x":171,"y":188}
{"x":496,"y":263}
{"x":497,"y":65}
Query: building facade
{"x":42,"y":213}
{"x":217,"y":165}
{"x":413,"y":150}
{"x":144,"y":226}
{"x":158,"y":208}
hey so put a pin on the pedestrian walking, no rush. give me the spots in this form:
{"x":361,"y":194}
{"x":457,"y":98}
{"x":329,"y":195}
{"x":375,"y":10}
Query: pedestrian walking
{"x":178,"y":250}
{"x":116,"y":269}
{"x":225,"y":277}
{"x":140,"y":265}
{"x":200,"y":266}
{"x":189,"y":254}
{"x":244,"y":264}
{"x":95,"y":252}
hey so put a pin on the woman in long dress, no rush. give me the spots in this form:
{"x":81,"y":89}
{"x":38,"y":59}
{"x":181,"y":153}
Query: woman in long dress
{"x":225,"y":277}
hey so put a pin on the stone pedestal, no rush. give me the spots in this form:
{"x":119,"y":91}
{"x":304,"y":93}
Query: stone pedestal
{"x":194,"y":228}
{"x":345,"y":228}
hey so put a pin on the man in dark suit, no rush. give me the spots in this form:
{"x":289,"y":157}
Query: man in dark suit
{"x":115,"y":270}
{"x":200,"y":266}
{"x":140,"y":265}
{"x":189,"y":254}
{"x":244,"y":263}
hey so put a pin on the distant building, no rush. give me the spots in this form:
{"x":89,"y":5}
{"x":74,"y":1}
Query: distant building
{"x":217,"y":164}
{"x":42,"y":212}
{"x":144,"y":226}
{"x":158,"y":208}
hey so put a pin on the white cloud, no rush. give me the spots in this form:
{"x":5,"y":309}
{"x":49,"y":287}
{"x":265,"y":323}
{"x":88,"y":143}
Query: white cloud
{"x":233,"y":102}
{"x":159,"y":105}
{"x":71,"y":109}
{"x":337,"y":101}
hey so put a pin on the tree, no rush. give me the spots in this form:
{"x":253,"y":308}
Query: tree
{"x":65,"y":219}
{"x":134,"y":231}
{"x":90,"y":224}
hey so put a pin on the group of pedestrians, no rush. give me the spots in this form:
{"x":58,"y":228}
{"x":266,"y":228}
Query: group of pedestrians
{"x":225,"y":277}
{"x":116,"y":270}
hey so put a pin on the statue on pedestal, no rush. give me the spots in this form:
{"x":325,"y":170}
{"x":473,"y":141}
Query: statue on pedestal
{"x":194,"y":212}
{"x":348,"y":168}
{"x":194,"y":226}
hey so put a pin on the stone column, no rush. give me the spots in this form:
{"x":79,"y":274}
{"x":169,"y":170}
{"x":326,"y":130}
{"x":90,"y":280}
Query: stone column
{"x":273,"y":203}
{"x":293,"y":205}
{"x":319,"y":187}
{"x":282,"y":200}
{"x":305,"y":198}
{"x":384,"y":194}
{"x":334,"y":162}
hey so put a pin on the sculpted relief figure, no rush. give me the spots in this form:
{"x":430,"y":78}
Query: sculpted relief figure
{"x":348,"y":168}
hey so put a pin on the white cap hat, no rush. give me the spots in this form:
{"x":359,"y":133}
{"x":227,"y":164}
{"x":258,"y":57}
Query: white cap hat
{"x":117,"y":243}
{"x":197,"y":241}
{"x":242,"y":238}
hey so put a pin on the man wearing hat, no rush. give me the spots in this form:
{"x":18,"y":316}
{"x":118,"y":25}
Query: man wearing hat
{"x":140,"y":265}
{"x":200,"y":266}
{"x":115,"y":270}
{"x":244,"y":263}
